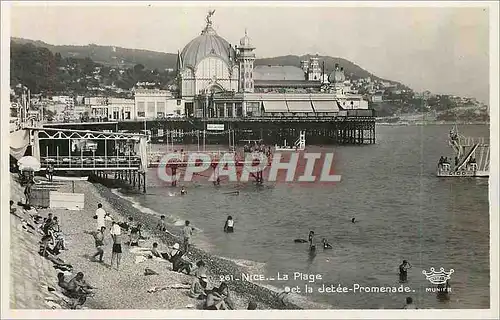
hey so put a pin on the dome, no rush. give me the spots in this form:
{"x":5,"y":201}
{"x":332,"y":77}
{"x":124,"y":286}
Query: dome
{"x":337,"y":76}
{"x":245,"y":41}
{"x":207,"y":44}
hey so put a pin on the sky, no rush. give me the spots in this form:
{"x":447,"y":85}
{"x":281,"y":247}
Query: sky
{"x":441,"y":49}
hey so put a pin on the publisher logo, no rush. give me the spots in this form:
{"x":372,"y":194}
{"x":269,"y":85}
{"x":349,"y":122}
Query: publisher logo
{"x":438,"y":278}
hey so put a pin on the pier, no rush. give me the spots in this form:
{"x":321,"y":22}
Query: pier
{"x":353,"y":127}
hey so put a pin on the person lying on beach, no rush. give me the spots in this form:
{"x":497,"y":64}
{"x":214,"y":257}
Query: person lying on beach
{"x":219,"y":299}
{"x":151,"y":253}
{"x":198,"y":287}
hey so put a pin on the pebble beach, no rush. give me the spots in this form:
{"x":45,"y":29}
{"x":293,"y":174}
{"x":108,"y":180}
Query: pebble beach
{"x":128,"y":287}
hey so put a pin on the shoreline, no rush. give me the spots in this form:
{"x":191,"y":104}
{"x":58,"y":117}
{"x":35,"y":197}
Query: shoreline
{"x":216,"y":265}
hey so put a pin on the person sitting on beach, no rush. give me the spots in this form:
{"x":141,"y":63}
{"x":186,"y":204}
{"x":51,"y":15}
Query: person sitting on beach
{"x":326,"y":245}
{"x":283,"y":296}
{"x":155,"y":252}
{"x":57,"y":235}
{"x":99,"y":242}
{"x":199,"y":269}
{"x":198,"y":287}
{"x":69,"y":292}
{"x":161,"y":224}
{"x":12,"y":210}
{"x":46,"y":224}
{"x":219,"y":299}
{"x":80,"y":286}
{"x":135,"y":235}
{"x":229,"y":226}
{"x":179,"y":264}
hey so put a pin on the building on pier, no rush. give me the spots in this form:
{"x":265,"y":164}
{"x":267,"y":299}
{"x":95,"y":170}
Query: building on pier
{"x":217,"y":79}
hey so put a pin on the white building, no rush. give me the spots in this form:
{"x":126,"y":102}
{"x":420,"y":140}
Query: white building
{"x":67,"y":100}
{"x":156,"y":103}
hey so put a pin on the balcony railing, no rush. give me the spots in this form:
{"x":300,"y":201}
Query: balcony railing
{"x":86,"y":162}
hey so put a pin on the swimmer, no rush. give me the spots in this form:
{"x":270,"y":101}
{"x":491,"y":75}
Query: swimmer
{"x":229,"y":226}
{"x":300,"y":241}
{"x":326,"y":245}
{"x":183,"y":191}
{"x":353,"y":220}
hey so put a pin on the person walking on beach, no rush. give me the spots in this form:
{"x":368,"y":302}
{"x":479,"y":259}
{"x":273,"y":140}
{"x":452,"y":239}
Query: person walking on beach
{"x":187,"y":233}
{"x":100,"y":214}
{"x":229,"y":226}
{"x":116,"y":234}
{"x":99,"y":242}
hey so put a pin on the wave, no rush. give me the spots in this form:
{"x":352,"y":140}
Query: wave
{"x":170,"y":219}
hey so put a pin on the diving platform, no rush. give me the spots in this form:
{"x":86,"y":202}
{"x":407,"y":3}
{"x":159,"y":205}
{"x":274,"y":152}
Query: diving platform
{"x":472,"y":157}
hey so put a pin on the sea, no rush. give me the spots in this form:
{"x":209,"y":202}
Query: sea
{"x":402,"y":211}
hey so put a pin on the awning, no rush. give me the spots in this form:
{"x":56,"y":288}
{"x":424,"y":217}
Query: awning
{"x":275,"y":106}
{"x":325,"y":106}
{"x":299,"y":106}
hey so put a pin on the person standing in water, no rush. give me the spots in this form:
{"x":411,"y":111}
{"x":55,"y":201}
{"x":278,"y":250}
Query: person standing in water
{"x":229,"y":226}
{"x":311,"y":239}
{"x":403,"y":271}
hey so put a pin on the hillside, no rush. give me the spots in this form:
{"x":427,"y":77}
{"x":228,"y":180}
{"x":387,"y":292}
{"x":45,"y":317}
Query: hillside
{"x":109,"y":55}
{"x":125,"y":58}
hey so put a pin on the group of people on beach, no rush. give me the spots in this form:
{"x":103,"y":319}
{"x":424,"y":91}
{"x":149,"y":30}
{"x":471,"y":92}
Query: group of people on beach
{"x":52,"y":242}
